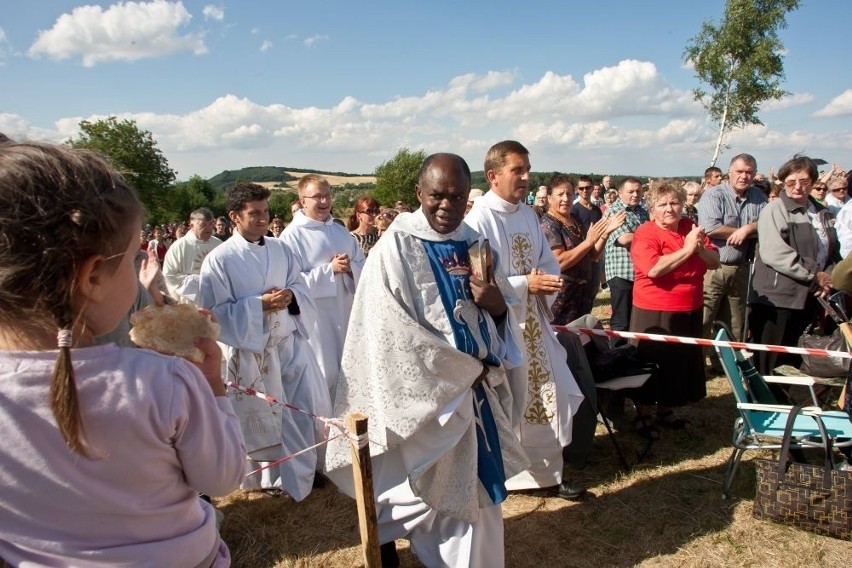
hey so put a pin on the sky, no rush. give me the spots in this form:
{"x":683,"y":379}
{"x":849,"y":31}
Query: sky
{"x":588,"y":87}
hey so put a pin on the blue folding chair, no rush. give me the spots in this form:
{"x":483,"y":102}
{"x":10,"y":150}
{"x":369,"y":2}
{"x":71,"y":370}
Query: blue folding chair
{"x":761,"y":420}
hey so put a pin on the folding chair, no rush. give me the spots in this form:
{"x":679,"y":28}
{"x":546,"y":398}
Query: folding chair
{"x":761,"y":421}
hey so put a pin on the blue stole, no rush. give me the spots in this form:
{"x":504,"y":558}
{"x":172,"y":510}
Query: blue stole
{"x":451,"y":266}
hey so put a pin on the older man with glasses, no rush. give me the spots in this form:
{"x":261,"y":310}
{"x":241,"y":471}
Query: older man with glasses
{"x":728,"y":212}
{"x":182,"y":265}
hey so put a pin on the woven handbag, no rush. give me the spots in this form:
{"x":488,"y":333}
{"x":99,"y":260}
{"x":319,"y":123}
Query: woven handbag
{"x":811,"y":497}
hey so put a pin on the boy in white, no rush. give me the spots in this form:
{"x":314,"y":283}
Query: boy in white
{"x":331,"y":263}
{"x":253,"y":286}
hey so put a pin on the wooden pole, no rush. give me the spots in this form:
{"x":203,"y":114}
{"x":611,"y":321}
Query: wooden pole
{"x":365,"y":497}
{"x":846,"y":329}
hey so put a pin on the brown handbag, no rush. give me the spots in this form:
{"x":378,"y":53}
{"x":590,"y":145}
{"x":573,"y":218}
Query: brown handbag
{"x":811,"y":497}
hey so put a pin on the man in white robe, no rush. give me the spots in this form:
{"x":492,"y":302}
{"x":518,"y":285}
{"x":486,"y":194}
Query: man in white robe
{"x":331,"y":263}
{"x":182,"y":264}
{"x":552,"y":395}
{"x":254,"y":287}
{"x":425,"y":359}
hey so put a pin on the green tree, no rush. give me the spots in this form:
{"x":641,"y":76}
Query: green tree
{"x":740,"y":61}
{"x":134,"y":153}
{"x":187,"y":196}
{"x":396,"y":178}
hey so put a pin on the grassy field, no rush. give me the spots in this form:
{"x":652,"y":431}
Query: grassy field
{"x":667,"y":511}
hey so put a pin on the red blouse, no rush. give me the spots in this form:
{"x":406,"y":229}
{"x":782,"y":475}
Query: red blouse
{"x":682,"y":289}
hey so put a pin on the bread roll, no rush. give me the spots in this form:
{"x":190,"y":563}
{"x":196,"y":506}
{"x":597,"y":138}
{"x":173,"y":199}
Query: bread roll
{"x":172,"y":329}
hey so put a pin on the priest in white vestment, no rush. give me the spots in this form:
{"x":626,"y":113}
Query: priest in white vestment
{"x":254,"y":287}
{"x":552,"y":395}
{"x":426,"y":359}
{"x":331,"y":263}
{"x":182,"y":264}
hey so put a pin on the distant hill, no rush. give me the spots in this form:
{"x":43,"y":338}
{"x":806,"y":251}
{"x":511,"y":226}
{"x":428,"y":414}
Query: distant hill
{"x":272,"y":176}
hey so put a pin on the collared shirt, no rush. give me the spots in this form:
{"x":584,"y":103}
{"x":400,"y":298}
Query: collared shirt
{"x":720,"y":205}
{"x":617,"y":261}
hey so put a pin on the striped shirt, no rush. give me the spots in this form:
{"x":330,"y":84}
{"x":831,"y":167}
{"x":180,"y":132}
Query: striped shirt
{"x":617,"y":261}
{"x":719,"y":206}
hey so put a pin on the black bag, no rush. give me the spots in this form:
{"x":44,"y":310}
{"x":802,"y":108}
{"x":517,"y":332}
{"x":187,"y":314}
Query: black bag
{"x":811,"y":497}
{"x":620,"y":361}
{"x":824,"y":366}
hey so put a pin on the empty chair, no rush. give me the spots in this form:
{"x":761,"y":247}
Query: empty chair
{"x":760,"y":422}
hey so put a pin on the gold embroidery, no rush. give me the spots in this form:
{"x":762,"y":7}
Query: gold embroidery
{"x":541,"y":408}
{"x":521,"y":253}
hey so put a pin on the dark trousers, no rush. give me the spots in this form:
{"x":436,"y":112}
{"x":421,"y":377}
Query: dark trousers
{"x":584,"y":421}
{"x":771,"y":325}
{"x":621,"y":297}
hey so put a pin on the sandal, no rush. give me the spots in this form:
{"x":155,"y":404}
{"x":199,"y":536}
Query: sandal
{"x":645,"y":427}
{"x":667,"y":419}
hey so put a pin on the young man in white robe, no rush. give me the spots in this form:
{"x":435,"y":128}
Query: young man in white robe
{"x":552,"y":395}
{"x":254,"y":287}
{"x":330,"y":261}
{"x":426,"y":357}
{"x":182,"y":263}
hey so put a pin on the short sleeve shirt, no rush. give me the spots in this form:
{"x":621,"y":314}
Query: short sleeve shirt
{"x":721,"y":206}
{"x":617,"y":261}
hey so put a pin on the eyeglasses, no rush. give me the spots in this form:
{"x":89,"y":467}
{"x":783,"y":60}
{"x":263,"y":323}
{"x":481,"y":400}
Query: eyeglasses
{"x":319,"y":197}
{"x":583,"y":187}
{"x":792,"y":183}
{"x":369,"y":211}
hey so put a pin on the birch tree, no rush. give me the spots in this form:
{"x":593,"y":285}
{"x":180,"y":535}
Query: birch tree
{"x":739,"y":62}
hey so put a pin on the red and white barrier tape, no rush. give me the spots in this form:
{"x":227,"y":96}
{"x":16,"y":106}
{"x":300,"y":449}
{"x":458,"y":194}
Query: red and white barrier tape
{"x":705,"y":342}
{"x":335,"y":422}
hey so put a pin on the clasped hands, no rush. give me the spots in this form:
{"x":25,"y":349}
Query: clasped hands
{"x":340,"y":264}
{"x":276,"y":299}
{"x":694,"y":240}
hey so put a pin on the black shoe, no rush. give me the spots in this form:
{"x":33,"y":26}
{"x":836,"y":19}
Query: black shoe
{"x":570,"y":491}
{"x":567,"y":490}
{"x":390,"y":559}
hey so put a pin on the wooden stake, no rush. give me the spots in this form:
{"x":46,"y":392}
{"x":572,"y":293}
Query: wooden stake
{"x":362,"y":475}
{"x":846,"y":330}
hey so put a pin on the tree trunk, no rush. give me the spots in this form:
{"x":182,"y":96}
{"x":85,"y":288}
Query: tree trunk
{"x":724,"y":121}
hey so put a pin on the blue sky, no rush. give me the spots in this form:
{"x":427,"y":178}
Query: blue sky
{"x":340,"y":85}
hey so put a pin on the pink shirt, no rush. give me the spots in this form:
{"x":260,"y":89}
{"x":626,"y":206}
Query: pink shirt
{"x":159,"y":436}
{"x":682,"y":289}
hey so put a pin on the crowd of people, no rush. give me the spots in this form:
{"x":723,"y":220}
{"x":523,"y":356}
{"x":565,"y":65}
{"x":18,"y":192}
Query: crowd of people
{"x":436,"y":323}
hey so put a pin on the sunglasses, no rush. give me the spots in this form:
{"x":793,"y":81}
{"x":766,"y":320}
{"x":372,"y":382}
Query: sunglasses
{"x":370,"y":211}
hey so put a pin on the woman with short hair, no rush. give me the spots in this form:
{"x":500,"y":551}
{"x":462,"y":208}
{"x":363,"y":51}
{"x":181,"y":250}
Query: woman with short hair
{"x":670,"y":256}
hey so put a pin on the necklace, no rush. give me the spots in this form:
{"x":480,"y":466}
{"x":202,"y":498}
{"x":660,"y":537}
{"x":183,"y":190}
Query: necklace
{"x":570,"y":224}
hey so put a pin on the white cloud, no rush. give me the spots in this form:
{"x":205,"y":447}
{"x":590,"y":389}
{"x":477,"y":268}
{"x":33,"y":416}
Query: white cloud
{"x":254,"y":31}
{"x":213,"y":12}
{"x":123,"y":32}
{"x":841,"y":105}
{"x":625,"y":118}
{"x":265,"y":46}
{"x":788,"y":101}
{"x":314,"y":39}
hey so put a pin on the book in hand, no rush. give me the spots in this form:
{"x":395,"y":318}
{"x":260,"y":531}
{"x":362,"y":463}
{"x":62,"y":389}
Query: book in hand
{"x":481,"y":261}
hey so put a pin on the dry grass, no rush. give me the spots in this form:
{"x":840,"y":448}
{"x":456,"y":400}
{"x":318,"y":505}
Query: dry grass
{"x":666,"y":512}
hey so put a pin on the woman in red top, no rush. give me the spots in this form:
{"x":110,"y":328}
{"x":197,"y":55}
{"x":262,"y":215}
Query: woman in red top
{"x":670,"y":256}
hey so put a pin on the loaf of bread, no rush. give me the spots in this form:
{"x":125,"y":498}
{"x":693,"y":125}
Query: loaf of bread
{"x":172,"y":329}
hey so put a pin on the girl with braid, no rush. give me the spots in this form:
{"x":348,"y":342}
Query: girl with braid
{"x":105,"y":449}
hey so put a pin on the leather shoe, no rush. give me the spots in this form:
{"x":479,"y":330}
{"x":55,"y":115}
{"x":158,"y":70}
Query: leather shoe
{"x":570,"y":491}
